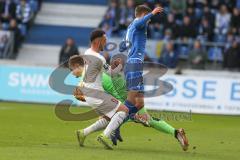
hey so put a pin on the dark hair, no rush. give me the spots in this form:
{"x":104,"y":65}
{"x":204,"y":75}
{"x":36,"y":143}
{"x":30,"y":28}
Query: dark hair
{"x":75,"y":59}
{"x":140,"y":9}
{"x":96,"y":34}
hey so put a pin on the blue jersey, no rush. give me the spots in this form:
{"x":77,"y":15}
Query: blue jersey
{"x":137,"y":36}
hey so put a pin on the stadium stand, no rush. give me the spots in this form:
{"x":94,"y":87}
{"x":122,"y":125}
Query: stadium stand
{"x":213,"y":23}
{"x":16,"y":19}
{"x":55,"y":23}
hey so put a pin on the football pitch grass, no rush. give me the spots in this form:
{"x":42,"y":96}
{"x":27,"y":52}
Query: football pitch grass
{"x":33,"y":132}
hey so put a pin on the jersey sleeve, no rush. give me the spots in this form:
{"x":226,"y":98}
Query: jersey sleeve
{"x":142,"y":21}
{"x":100,"y":64}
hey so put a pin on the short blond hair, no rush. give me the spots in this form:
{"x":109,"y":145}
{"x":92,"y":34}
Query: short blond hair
{"x":140,"y":9}
{"x":75,"y":59}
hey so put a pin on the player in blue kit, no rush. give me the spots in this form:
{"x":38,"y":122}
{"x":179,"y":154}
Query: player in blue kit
{"x":136,"y":36}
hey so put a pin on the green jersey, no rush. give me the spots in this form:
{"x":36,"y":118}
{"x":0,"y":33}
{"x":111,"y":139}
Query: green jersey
{"x":116,"y":86}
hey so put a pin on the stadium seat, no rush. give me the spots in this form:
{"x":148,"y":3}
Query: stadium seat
{"x":183,"y":51}
{"x":215,"y":54}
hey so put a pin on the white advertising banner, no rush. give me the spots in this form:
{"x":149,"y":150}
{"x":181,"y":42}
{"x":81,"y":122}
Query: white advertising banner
{"x":199,"y":95}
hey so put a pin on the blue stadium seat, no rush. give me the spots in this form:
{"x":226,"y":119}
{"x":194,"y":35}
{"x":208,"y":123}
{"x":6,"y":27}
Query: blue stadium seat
{"x":215,"y":54}
{"x":220,"y":38}
{"x":5,"y":26}
{"x":183,"y":51}
{"x":23,"y":29}
{"x":34,"y":5}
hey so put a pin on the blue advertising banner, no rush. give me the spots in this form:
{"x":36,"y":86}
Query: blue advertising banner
{"x":30,"y":84}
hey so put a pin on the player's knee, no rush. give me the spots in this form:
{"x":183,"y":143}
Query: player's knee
{"x":123,"y":109}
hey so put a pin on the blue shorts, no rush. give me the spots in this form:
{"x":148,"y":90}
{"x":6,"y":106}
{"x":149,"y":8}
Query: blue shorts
{"x":134,"y":75}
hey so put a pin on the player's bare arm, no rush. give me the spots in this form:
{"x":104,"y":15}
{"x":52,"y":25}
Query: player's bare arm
{"x":157,"y":10}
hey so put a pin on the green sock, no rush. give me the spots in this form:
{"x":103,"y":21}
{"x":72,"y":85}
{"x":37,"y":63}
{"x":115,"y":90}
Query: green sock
{"x":143,"y":111}
{"x":159,"y":125}
{"x":162,"y":126}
